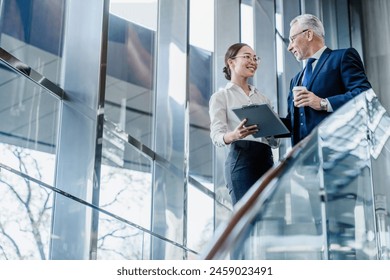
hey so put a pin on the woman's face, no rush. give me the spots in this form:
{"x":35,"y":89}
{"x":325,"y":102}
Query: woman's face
{"x":244,"y":64}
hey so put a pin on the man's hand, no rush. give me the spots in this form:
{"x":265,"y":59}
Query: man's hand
{"x":305,"y":98}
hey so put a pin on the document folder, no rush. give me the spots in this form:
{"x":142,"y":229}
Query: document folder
{"x":264,"y":117}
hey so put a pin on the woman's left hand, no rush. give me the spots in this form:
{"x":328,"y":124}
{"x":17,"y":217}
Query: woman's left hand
{"x":244,"y":131}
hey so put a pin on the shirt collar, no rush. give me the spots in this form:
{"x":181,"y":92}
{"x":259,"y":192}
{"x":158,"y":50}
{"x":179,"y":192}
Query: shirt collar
{"x":230,"y":85}
{"x":318,"y":54}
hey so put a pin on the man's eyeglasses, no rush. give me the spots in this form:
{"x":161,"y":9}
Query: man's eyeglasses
{"x":254,"y":59}
{"x":292,"y":38}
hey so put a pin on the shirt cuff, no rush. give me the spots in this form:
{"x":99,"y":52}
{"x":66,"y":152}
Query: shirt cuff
{"x":329,"y":107}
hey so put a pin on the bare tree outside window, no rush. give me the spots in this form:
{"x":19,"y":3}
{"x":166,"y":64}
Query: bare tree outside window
{"x":25,"y":207}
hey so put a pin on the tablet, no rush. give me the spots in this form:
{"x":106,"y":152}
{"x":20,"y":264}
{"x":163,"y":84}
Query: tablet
{"x":264,"y":117}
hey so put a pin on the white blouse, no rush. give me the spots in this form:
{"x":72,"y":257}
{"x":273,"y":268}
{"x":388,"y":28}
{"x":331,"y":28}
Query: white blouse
{"x":223,"y":119}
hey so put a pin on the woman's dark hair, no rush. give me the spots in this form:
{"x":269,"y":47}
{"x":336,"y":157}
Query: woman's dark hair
{"x":231,"y":52}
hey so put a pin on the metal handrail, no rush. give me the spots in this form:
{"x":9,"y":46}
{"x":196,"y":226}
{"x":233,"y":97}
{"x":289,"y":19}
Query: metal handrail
{"x":21,"y":68}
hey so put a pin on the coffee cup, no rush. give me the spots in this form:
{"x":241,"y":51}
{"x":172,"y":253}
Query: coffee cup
{"x":297,"y":89}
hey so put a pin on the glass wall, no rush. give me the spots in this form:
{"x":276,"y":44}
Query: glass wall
{"x":32,"y":31}
{"x":151,"y":107}
{"x":126,"y":175}
{"x":29,"y":127}
{"x":28,"y":147}
{"x":130,"y":67}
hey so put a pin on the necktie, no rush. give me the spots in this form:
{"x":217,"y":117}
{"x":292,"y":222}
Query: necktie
{"x":308,"y":71}
{"x":300,"y":116}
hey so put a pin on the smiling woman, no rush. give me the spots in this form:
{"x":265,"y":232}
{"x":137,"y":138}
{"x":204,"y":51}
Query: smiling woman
{"x":242,"y":168}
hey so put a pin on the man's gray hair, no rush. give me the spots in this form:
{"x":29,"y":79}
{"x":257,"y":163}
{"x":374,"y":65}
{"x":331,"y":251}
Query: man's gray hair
{"x":308,"y":21}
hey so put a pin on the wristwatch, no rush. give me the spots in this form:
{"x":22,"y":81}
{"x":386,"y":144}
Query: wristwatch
{"x":324,"y":105}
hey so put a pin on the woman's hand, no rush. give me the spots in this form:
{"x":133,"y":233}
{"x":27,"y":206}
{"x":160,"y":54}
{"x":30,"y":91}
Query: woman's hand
{"x":240,"y":132}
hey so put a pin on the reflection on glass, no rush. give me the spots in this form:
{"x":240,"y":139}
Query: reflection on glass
{"x":32,"y":32}
{"x":200,"y":90}
{"x":130,"y":72}
{"x":347,"y":175}
{"x":28,"y":132}
{"x":200,"y":156}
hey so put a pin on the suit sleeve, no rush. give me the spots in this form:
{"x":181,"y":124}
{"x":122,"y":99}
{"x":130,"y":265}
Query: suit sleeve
{"x":353,"y":76}
{"x":288,"y":119}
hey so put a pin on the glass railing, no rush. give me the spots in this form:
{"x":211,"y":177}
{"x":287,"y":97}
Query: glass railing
{"x":327,"y":199}
{"x":30,"y":112}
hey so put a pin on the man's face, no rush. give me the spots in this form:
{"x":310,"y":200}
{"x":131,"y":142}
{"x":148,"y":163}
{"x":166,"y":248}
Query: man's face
{"x":299,"y":43}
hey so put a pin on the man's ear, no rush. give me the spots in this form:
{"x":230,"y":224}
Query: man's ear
{"x":310,"y":35}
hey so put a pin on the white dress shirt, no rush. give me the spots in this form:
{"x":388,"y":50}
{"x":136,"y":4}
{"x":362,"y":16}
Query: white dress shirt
{"x":317,"y":56}
{"x":224,"y":120}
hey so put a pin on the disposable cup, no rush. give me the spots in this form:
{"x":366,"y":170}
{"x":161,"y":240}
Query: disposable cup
{"x":297,"y":89}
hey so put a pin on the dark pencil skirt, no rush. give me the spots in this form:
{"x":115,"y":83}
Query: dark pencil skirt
{"x":247,"y":161}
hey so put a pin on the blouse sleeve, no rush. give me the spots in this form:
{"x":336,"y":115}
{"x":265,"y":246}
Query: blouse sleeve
{"x":218,"y":119}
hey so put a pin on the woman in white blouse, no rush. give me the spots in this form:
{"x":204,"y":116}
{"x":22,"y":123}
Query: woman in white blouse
{"x":249,"y":157}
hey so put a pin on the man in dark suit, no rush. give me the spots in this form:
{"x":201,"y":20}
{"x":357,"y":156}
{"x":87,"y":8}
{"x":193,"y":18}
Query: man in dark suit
{"x":331,"y":77}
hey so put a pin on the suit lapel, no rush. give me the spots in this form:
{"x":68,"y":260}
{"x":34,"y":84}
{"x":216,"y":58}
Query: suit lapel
{"x":299,"y":77}
{"x":320,"y":63}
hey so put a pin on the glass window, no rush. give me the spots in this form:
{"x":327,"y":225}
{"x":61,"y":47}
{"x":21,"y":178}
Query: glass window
{"x":200,"y":219}
{"x":201,"y":15}
{"x":29,"y":130}
{"x":247,"y":23}
{"x":32,"y":32}
{"x":130,"y":67}
{"x":125,"y":181}
{"x":200,"y":89}
{"x":120,"y":241}
{"x":25,"y":218}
